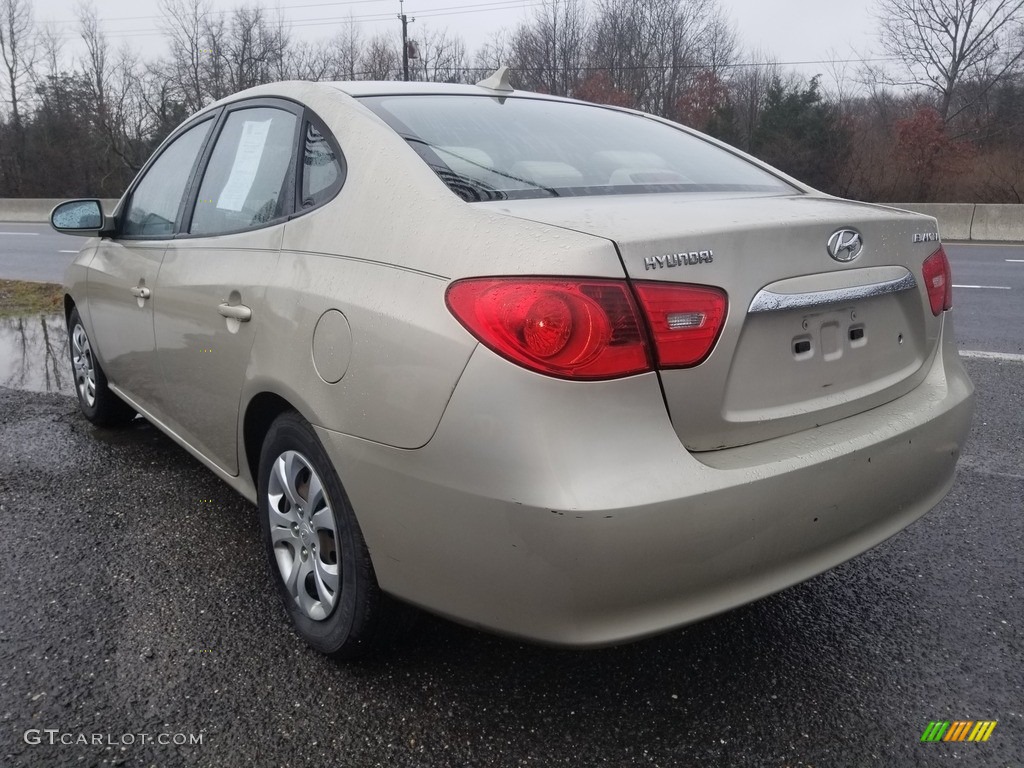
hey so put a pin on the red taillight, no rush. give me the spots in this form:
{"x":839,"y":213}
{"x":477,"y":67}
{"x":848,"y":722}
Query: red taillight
{"x":589,"y":329}
{"x":577,"y":329}
{"x":684,"y":319}
{"x":938,"y":280}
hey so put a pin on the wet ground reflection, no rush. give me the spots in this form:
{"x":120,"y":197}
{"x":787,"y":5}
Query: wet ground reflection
{"x":34,"y":354}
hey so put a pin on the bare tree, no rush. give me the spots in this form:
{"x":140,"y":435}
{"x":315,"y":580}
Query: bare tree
{"x":494,"y":53}
{"x":749,"y":87}
{"x":184,"y":24}
{"x":942,"y":43}
{"x":96,"y":64}
{"x":308,"y":61}
{"x":50,"y":46}
{"x":653,"y":49}
{"x":17,"y":50}
{"x":160,"y":98}
{"x":721,"y":43}
{"x":346,"y":51}
{"x":442,"y":56}
{"x":253,"y":48}
{"x":550,"y":50}
{"x":119,"y":111}
{"x":840,"y":82}
{"x":381,"y":59}
{"x":216,"y":77}
{"x":131,"y":123}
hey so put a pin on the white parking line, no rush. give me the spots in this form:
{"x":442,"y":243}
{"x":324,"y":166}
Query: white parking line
{"x":978,"y":355}
{"x":1016,"y":261}
{"x":986,"y":287}
{"x":67,"y":251}
{"x":29,"y":234}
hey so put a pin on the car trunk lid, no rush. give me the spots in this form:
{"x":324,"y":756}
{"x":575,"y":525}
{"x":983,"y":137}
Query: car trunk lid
{"x":808,"y":339}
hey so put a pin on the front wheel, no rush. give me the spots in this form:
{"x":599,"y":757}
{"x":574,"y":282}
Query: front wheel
{"x":96,"y":400}
{"x":318,"y":557}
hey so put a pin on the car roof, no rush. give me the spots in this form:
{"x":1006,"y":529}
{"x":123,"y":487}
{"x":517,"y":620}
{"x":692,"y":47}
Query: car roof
{"x":292,"y":89}
{"x":359,"y":88}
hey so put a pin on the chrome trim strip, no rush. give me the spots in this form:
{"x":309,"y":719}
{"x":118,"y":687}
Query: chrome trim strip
{"x":766,"y":301}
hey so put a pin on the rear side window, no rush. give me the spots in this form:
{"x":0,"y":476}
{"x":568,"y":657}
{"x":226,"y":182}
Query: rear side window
{"x":322,"y":169}
{"x":155,"y":200}
{"x":486,"y":148}
{"x":249,"y":180}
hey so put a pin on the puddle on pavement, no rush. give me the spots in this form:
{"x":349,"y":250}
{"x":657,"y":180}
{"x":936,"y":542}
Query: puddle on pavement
{"x":34,"y":354}
{"x":137,"y":432}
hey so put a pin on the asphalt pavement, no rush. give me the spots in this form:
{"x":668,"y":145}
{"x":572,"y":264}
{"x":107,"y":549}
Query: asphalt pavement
{"x":988,"y":296}
{"x":35,"y":252}
{"x":134,"y":599}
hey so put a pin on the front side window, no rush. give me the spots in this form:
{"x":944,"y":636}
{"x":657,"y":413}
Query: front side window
{"x":249,"y":179}
{"x":154,"y":203}
{"x":486,"y":148}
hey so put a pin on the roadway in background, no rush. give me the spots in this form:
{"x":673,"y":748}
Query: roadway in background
{"x":988,"y":297}
{"x":35,"y":252}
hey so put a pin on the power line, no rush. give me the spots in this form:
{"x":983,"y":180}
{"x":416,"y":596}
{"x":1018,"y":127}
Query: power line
{"x":452,"y":10}
{"x":639,"y":67}
{"x":460,"y":10}
{"x":223,"y":12}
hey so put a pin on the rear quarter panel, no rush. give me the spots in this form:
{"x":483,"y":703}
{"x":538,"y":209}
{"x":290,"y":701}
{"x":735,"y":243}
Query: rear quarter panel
{"x":383,"y":253}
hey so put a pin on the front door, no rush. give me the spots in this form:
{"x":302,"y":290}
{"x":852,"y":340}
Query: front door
{"x":123,"y":275}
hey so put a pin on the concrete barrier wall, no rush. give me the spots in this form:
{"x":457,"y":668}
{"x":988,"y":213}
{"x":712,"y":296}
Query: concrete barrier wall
{"x":34,"y":210}
{"x":998,"y":222}
{"x":957,"y":221}
{"x":967,"y":221}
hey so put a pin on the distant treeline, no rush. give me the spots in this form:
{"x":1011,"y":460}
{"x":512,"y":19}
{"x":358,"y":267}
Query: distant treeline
{"x":937,"y":115}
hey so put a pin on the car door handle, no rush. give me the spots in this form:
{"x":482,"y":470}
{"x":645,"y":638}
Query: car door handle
{"x":238,"y":312}
{"x":141,"y":292}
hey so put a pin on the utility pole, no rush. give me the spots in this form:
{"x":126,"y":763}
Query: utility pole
{"x":405,"y":39}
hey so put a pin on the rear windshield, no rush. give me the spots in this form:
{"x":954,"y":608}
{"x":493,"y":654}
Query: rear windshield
{"x":488,"y":148}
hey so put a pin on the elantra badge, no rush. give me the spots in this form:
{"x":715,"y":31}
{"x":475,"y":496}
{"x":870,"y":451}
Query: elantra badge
{"x":845,"y":245}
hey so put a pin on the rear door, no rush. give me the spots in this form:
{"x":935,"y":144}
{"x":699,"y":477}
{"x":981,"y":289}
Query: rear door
{"x":259,"y":175}
{"x":122,"y":276}
{"x":215,"y":272}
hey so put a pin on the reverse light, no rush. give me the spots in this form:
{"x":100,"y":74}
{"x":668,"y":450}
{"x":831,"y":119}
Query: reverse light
{"x":938,"y":280}
{"x":685,"y":321}
{"x":590,"y":329}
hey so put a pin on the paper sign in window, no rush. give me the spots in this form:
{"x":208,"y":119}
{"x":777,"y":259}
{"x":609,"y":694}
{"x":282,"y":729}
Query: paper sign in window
{"x":247,"y":162}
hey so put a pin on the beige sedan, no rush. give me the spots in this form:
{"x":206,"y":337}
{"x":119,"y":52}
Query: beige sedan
{"x":566,"y":372}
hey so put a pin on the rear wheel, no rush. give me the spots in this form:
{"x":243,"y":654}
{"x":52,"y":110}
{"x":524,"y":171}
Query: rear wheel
{"x":95,"y":399}
{"x":318,"y":557}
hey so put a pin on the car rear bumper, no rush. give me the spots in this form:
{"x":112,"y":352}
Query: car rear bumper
{"x":571,"y":514}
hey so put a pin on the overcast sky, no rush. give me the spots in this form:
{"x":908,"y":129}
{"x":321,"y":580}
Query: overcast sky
{"x":790,"y":30}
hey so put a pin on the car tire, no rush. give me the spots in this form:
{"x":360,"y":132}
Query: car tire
{"x":317,"y":554}
{"x":96,"y":400}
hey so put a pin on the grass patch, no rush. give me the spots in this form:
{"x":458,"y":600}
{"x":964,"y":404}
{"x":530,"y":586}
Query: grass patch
{"x":18,"y":297}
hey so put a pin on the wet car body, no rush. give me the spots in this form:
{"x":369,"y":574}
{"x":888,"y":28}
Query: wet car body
{"x":825,"y":414}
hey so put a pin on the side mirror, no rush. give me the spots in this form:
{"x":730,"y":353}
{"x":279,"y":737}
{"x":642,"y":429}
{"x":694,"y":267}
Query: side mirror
{"x":81,"y":217}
